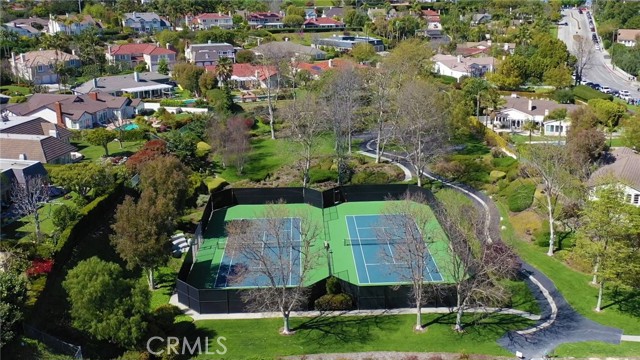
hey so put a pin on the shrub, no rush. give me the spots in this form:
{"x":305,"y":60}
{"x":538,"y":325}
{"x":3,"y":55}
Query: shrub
{"x":40,"y":266}
{"x":320,"y":175}
{"x":496,"y":175}
{"x":370,"y":177}
{"x":202,"y":149}
{"x":215,"y":184}
{"x":64,"y":215}
{"x":17,"y":99}
{"x":504,"y":163}
{"x":520,"y":198}
{"x":133,"y":135}
{"x":332,"y":302}
{"x":564,"y":96}
{"x":333,"y":286}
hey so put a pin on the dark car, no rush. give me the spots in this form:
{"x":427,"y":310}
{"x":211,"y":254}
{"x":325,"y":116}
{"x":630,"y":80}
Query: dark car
{"x":596,"y":86}
{"x":579,"y":11}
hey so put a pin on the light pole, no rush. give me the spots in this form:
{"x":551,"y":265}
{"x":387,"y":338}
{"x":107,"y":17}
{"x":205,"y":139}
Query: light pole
{"x":327,"y":248}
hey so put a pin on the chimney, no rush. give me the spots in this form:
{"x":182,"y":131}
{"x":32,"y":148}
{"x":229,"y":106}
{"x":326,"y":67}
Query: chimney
{"x":219,"y":13}
{"x":22,"y":157}
{"x":546,"y":112}
{"x":93,"y":96}
{"x":168,"y":46}
{"x":134,"y":14}
{"x":209,"y":42}
{"x":330,"y":63}
{"x":459,"y":58}
{"x":53,"y":133}
{"x":109,"y":49}
{"x":136,"y":76}
{"x":58,"y":109}
{"x":22,"y":57}
{"x":489,"y":42}
{"x":530,"y":105}
{"x":257,"y":75}
{"x":73,"y":51}
{"x":95,"y":83}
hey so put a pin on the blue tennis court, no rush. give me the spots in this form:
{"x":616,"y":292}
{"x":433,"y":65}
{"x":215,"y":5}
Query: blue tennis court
{"x":373,"y":255}
{"x":235,"y":262}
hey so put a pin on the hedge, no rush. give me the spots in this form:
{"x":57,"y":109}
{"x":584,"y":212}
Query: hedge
{"x":215,"y":184}
{"x":586,"y":93}
{"x":520,"y":195}
{"x":332,"y":302}
{"x":370,"y":177}
{"x":321,"y":175}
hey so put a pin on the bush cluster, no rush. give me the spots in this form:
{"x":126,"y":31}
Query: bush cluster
{"x":520,"y":195}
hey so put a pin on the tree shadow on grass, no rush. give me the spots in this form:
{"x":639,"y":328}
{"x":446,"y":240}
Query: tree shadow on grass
{"x":480,"y":325}
{"x":329,"y":329}
{"x":626,"y":301}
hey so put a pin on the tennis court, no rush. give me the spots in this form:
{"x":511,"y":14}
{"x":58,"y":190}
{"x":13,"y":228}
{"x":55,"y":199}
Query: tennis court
{"x":234,"y":262}
{"x":373,"y":251}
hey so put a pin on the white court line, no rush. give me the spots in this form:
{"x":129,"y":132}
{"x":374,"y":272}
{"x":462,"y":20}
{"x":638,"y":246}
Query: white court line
{"x":219,"y":266}
{"x":226,"y":280}
{"x":380,"y":264}
{"x":364,"y":259}
{"x":352,"y":253}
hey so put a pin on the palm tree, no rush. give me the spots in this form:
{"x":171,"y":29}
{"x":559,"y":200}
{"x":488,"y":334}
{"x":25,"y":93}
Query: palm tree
{"x":224,"y":70}
{"x":530,"y":126}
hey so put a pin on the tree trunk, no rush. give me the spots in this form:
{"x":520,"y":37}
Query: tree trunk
{"x":552,"y":235}
{"x":36,"y":221}
{"x":459,"y":311}
{"x":419,"y":175}
{"x":150,"y":279}
{"x":305,"y":175}
{"x":595,"y":271}
{"x":270,"y":105}
{"x":419,"y":316}
{"x":286,"y":329}
{"x":600,"y":291}
{"x":106,"y":149}
{"x":378,"y":141}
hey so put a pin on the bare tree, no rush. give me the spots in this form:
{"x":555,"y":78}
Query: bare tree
{"x":26,"y":198}
{"x":230,"y":140}
{"x":474,"y":266}
{"x":273,"y":260}
{"x":343,"y":98}
{"x":550,"y":164}
{"x":381,"y":107}
{"x":403,"y":225}
{"x":304,"y":118}
{"x":270,"y":70}
{"x":421,"y":128}
{"x":583,"y":51}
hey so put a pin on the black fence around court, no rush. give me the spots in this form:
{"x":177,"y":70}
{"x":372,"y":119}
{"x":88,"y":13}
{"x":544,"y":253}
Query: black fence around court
{"x":215,"y":301}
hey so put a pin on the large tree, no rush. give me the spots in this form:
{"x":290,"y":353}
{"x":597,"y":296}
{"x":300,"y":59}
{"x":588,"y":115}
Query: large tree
{"x":279,"y":263}
{"x":606,"y":238}
{"x":188,"y":76}
{"x":168,"y":178}
{"x":85,"y":179}
{"x":28,"y":197}
{"x":583,"y":50}
{"x":550,"y":164}
{"x":13,"y":297}
{"x":421,"y":129}
{"x":105,"y":304}
{"x":304,"y":119}
{"x":100,"y":137}
{"x":405,"y":225}
{"x":141,"y":232}
{"x":381,"y":108}
{"x":631,"y":132}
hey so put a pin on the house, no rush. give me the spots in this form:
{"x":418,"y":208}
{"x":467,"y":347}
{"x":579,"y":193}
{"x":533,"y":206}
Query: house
{"x":145,"y":22}
{"x":39,"y":67}
{"x":483,"y":47}
{"x":322,"y":22}
{"x":376,"y":13}
{"x":29,"y":27}
{"x":71,"y":24}
{"x":209,"y":53}
{"x":628,"y":37}
{"x":145,"y":85}
{"x":430,"y":16}
{"x":517,"y":111}
{"x":77,"y":111}
{"x":347,"y":42}
{"x":250,"y":77}
{"x":316,"y":69}
{"x":334,"y":12}
{"x":209,"y":20}
{"x":477,"y":19}
{"x":134,"y":54}
{"x":289,"y":49}
{"x":310,"y":14}
{"x":13,"y":170}
{"x":34,"y":138}
{"x":556,"y":127}
{"x":433,"y":31}
{"x":265,"y":20}
{"x":622,"y":164}
{"x":459,"y":66}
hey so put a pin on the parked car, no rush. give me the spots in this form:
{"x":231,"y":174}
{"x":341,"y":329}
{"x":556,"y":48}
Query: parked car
{"x":595,"y":86}
{"x":605,"y":89}
{"x":625,"y":95}
{"x":597,"y":47}
{"x":615,"y":92}
{"x":585,"y":82}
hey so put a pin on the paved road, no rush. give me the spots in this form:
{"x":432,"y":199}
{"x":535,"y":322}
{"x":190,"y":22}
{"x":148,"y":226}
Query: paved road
{"x":558,"y":323}
{"x":601,"y":71}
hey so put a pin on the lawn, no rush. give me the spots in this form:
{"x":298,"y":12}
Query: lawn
{"x":319,"y":3}
{"x":623,"y":313}
{"x":590,"y":349}
{"x":343,"y":334}
{"x":524,"y":139}
{"x":16,"y":90}
{"x":165,"y":278}
{"x":92,"y":152}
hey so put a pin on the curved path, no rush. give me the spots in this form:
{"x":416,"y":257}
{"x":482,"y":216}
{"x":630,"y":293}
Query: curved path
{"x":559,"y":323}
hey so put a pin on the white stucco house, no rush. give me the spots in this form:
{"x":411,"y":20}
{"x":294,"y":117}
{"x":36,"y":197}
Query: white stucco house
{"x":518,"y":110}
{"x":623,"y":166}
{"x":459,"y":66}
{"x":557,"y":127}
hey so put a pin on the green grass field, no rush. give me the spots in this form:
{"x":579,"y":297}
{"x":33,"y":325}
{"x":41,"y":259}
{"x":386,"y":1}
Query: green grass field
{"x":590,"y":349}
{"x":252,"y":339}
{"x":574,"y":286}
{"x":15,"y":90}
{"x":92,"y":152}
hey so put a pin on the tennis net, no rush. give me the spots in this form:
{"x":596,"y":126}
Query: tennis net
{"x":371,"y":241}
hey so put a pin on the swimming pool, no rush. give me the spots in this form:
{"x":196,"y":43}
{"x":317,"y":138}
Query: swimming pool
{"x":189,"y":101}
{"x":128,"y":127}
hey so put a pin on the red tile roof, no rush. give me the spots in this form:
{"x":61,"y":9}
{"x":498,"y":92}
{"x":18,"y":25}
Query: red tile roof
{"x":139,"y":49}
{"x":213,"y":16}
{"x":430,"y":12}
{"x":318,"y":67}
{"x":248,"y":70}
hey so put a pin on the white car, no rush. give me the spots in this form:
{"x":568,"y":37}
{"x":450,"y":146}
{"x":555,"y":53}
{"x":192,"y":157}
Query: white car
{"x":625,"y":95}
{"x":605,"y":89}
{"x":597,"y":47}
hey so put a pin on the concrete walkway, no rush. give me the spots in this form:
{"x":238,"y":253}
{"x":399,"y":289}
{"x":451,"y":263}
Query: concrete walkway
{"x":559,"y":323}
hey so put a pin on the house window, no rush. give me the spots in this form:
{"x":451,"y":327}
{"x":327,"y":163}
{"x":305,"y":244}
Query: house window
{"x":40,"y":68}
{"x":627,"y":198}
{"x":636,"y":199}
